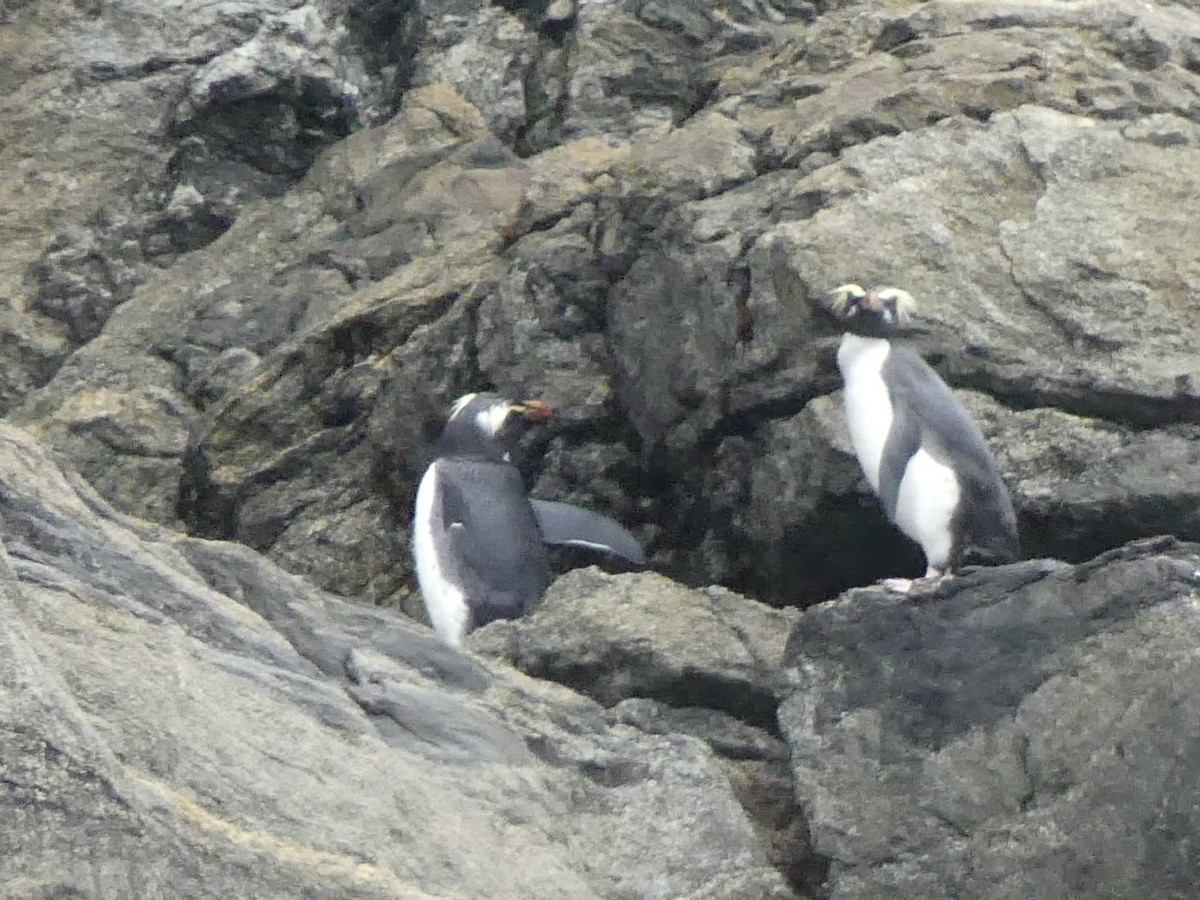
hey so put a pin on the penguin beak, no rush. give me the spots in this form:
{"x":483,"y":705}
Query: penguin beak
{"x":871,"y":303}
{"x":532,"y":410}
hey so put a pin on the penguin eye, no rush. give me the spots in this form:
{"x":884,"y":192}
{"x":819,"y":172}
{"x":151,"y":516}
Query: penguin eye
{"x":492,"y":420}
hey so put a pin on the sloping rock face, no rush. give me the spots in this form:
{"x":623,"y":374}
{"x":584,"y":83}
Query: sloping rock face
{"x":1029,"y":732}
{"x":283,"y":238}
{"x":181,"y":718}
{"x":250,"y":251}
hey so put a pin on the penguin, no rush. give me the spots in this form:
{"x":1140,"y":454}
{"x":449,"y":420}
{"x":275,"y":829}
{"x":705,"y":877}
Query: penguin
{"x":478,"y":541}
{"x":924,"y":456}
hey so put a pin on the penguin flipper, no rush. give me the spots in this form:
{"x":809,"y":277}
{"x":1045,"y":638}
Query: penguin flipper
{"x":563,"y":523}
{"x":903,"y":441}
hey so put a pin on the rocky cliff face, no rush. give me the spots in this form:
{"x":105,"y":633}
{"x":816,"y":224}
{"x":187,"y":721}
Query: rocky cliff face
{"x":250,"y":250}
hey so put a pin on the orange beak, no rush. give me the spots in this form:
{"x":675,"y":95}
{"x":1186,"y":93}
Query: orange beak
{"x":534,"y":410}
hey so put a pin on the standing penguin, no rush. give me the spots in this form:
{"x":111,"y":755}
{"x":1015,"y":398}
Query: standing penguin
{"x":924,"y":456}
{"x":478,"y":540}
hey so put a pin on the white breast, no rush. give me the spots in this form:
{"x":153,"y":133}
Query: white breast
{"x":868,"y":407}
{"x":925,"y":505}
{"x":444,"y":601}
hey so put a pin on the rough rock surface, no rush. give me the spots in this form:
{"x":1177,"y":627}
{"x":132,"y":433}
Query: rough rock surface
{"x":1029,"y":732}
{"x":625,"y":208}
{"x":666,"y":659}
{"x":249,"y":251}
{"x":182,"y":718}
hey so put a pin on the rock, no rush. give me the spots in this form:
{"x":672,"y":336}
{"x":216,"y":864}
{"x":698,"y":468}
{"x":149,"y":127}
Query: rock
{"x":288,"y":87}
{"x":86,"y":273}
{"x":155,"y":370}
{"x":1126,"y":483}
{"x":483,"y":51}
{"x":250,"y":250}
{"x":1023,"y":731}
{"x":637,"y":70}
{"x":560,"y":12}
{"x":688,"y":648}
{"x":668,"y":660}
{"x":95,"y":206}
{"x":625,"y":208}
{"x":758,"y":768}
{"x":217,"y":725}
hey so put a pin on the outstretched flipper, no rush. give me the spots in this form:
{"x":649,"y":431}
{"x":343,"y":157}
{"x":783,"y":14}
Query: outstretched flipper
{"x":563,"y":523}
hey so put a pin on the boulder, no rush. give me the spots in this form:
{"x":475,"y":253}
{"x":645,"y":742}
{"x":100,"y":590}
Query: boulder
{"x":1027,"y":731}
{"x":182,"y":717}
{"x":669,"y":660}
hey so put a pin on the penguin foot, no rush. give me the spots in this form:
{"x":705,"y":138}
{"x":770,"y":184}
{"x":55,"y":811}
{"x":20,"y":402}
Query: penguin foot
{"x":932,"y":580}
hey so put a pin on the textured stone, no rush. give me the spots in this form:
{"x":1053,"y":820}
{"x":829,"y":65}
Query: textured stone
{"x":1024,"y":732}
{"x":202,"y":723}
{"x":669,"y":660}
{"x":303,"y":324}
{"x":249,"y":251}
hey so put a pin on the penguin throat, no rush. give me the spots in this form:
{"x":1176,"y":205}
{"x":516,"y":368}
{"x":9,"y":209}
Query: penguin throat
{"x":472,"y":446}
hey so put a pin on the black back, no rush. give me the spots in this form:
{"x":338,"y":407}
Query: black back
{"x":927,"y":414}
{"x":496,"y":550}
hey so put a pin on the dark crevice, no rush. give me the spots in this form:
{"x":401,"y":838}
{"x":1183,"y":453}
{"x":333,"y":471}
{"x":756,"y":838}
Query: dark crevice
{"x":804,"y":206}
{"x":697,"y":103}
{"x":354,"y":270}
{"x":545,"y":113}
{"x":118,"y":449}
{"x":1077,"y":535}
{"x":514,"y":234}
{"x":748,"y":411}
{"x":208,"y":513}
{"x":102,"y":71}
{"x":1137,"y":412}
{"x":474,"y":371}
{"x":895,"y":34}
{"x":389,"y":33}
{"x":1074,"y":334}
{"x":1027,"y":800}
{"x":744,"y":701}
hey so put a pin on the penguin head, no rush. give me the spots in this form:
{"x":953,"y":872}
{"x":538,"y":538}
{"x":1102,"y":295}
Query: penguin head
{"x":489,"y":424}
{"x":875,"y":313}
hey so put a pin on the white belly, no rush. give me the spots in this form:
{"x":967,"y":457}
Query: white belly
{"x":925,"y":505}
{"x":445,"y":603}
{"x":868,"y":407}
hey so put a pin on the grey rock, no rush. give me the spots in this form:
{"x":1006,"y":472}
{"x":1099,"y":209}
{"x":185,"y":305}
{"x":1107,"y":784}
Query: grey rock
{"x":483,"y":51}
{"x":668,"y":660}
{"x":560,"y":12}
{"x":185,"y":718}
{"x":631,"y":219}
{"x":292,"y":47}
{"x":85,"y":273}
{"x":95,"y":202}
{"x":707,"y":648}
{"x":249,"y":250}
{"x":1010,"y":734}
{"x":157,"y":356}
{"x":641,"y":69}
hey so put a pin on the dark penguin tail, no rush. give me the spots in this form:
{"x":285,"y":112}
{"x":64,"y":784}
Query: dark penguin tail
{"x":994,"y":545}
{"x":987,"y":529}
